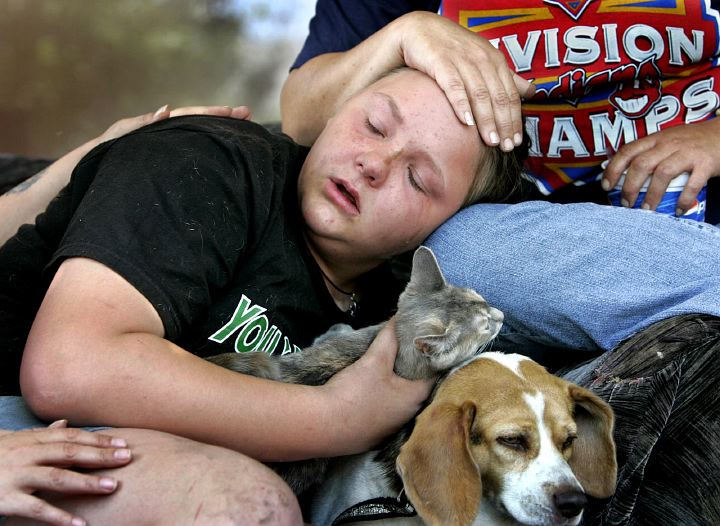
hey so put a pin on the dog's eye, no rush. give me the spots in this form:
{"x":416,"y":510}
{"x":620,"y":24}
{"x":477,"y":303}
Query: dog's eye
{"x":568,"y":442}
{"x":516,"y":442}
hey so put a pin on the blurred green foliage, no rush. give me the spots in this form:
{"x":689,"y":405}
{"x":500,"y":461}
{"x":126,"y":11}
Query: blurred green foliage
{"x":70,"y":68}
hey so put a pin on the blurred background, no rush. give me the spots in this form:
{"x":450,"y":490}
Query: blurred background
{"x":70,"y":68}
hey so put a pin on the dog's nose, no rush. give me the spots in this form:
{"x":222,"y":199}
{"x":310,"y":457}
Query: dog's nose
{"x":570,"y":503}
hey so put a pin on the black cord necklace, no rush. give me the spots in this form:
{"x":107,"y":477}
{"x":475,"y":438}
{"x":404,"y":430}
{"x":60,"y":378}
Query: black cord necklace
{"x":352,"y":311}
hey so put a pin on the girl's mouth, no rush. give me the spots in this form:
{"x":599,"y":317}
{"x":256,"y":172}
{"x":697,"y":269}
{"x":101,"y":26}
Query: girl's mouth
{"x":344,"y":196}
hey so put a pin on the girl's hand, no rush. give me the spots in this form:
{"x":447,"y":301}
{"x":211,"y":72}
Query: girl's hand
{"x":369,"y":400}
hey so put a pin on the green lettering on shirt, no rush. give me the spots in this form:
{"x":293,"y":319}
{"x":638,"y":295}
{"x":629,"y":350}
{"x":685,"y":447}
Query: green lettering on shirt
{"x":287,"y":346}
{"x":243,"y":314}
{"x":255,"y":333}
{"x":269,"y":340}
{"x":246,"y":340}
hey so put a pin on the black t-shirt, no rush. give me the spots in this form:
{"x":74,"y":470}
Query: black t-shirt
{"x":200,"y":215}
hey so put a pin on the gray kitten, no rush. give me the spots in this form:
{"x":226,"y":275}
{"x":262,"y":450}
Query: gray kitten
{"x":437,"y":327}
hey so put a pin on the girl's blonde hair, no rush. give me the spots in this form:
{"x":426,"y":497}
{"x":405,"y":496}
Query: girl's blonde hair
{"x":499,"y":175}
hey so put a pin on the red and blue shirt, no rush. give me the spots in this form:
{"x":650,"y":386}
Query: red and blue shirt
{"x":606,"y":71}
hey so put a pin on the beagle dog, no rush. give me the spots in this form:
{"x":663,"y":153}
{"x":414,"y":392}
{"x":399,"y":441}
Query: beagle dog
{"x":502,"y":442}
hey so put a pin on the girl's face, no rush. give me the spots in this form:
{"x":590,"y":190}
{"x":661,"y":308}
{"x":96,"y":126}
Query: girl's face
{"x":389,"y":168}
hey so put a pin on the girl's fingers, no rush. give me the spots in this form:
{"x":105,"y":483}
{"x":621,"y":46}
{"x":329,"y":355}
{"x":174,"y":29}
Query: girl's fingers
{"x":384,"y":347}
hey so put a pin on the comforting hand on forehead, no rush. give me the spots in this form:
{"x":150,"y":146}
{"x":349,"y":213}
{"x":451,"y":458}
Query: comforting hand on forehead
{"x":475,"y":76}
{"x":663,"y":156}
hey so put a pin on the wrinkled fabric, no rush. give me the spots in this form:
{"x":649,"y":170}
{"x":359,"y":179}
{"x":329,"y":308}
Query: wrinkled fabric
{"x":15,"y":415}
{"x":663,"y":387}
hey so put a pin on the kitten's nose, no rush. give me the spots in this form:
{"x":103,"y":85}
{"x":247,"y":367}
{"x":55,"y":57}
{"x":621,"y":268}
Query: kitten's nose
{"x":570,"y":503}
{"x":496,"y":315}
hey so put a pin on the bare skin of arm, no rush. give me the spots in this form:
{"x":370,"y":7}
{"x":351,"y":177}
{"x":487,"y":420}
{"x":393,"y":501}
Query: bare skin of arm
{"x":475,"y":77}
{"x":96,"y":354}
{"x":22,"y":204}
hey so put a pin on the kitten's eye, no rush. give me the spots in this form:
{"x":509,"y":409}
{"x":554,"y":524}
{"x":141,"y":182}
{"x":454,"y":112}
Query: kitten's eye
{"x":370,"y":126}
{"x":516,"y":442}
{"x":568,"y":442}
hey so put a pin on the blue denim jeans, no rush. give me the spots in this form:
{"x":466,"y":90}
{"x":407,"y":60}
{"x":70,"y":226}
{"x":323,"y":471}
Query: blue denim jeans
{"x":16,"y":415}
{"x":581,"y":276}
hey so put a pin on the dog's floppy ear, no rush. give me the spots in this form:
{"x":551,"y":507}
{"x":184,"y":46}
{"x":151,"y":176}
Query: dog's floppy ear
{"x":438,"y":473}
{"x":426,"y":273}
{"x":593,"y":456}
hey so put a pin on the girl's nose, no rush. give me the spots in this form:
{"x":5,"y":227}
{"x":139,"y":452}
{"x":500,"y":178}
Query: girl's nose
{"x":375,"y":165}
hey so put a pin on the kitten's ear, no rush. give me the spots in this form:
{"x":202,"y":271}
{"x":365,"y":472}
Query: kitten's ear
{"x":432,"y":344}
{"x":426,"y":272}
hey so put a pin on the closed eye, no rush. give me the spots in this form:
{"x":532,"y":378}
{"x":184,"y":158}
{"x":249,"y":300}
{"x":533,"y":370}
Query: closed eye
{"x":568,"y":442}
{"x":373,"y":129}
{"x":516,"y":442}
{"x":413,"y":180}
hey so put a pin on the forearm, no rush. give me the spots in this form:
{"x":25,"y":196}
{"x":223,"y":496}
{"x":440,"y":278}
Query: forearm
{"x":313,"y":92}
{"x":24,"y":202}
{"x":141,"y":380}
